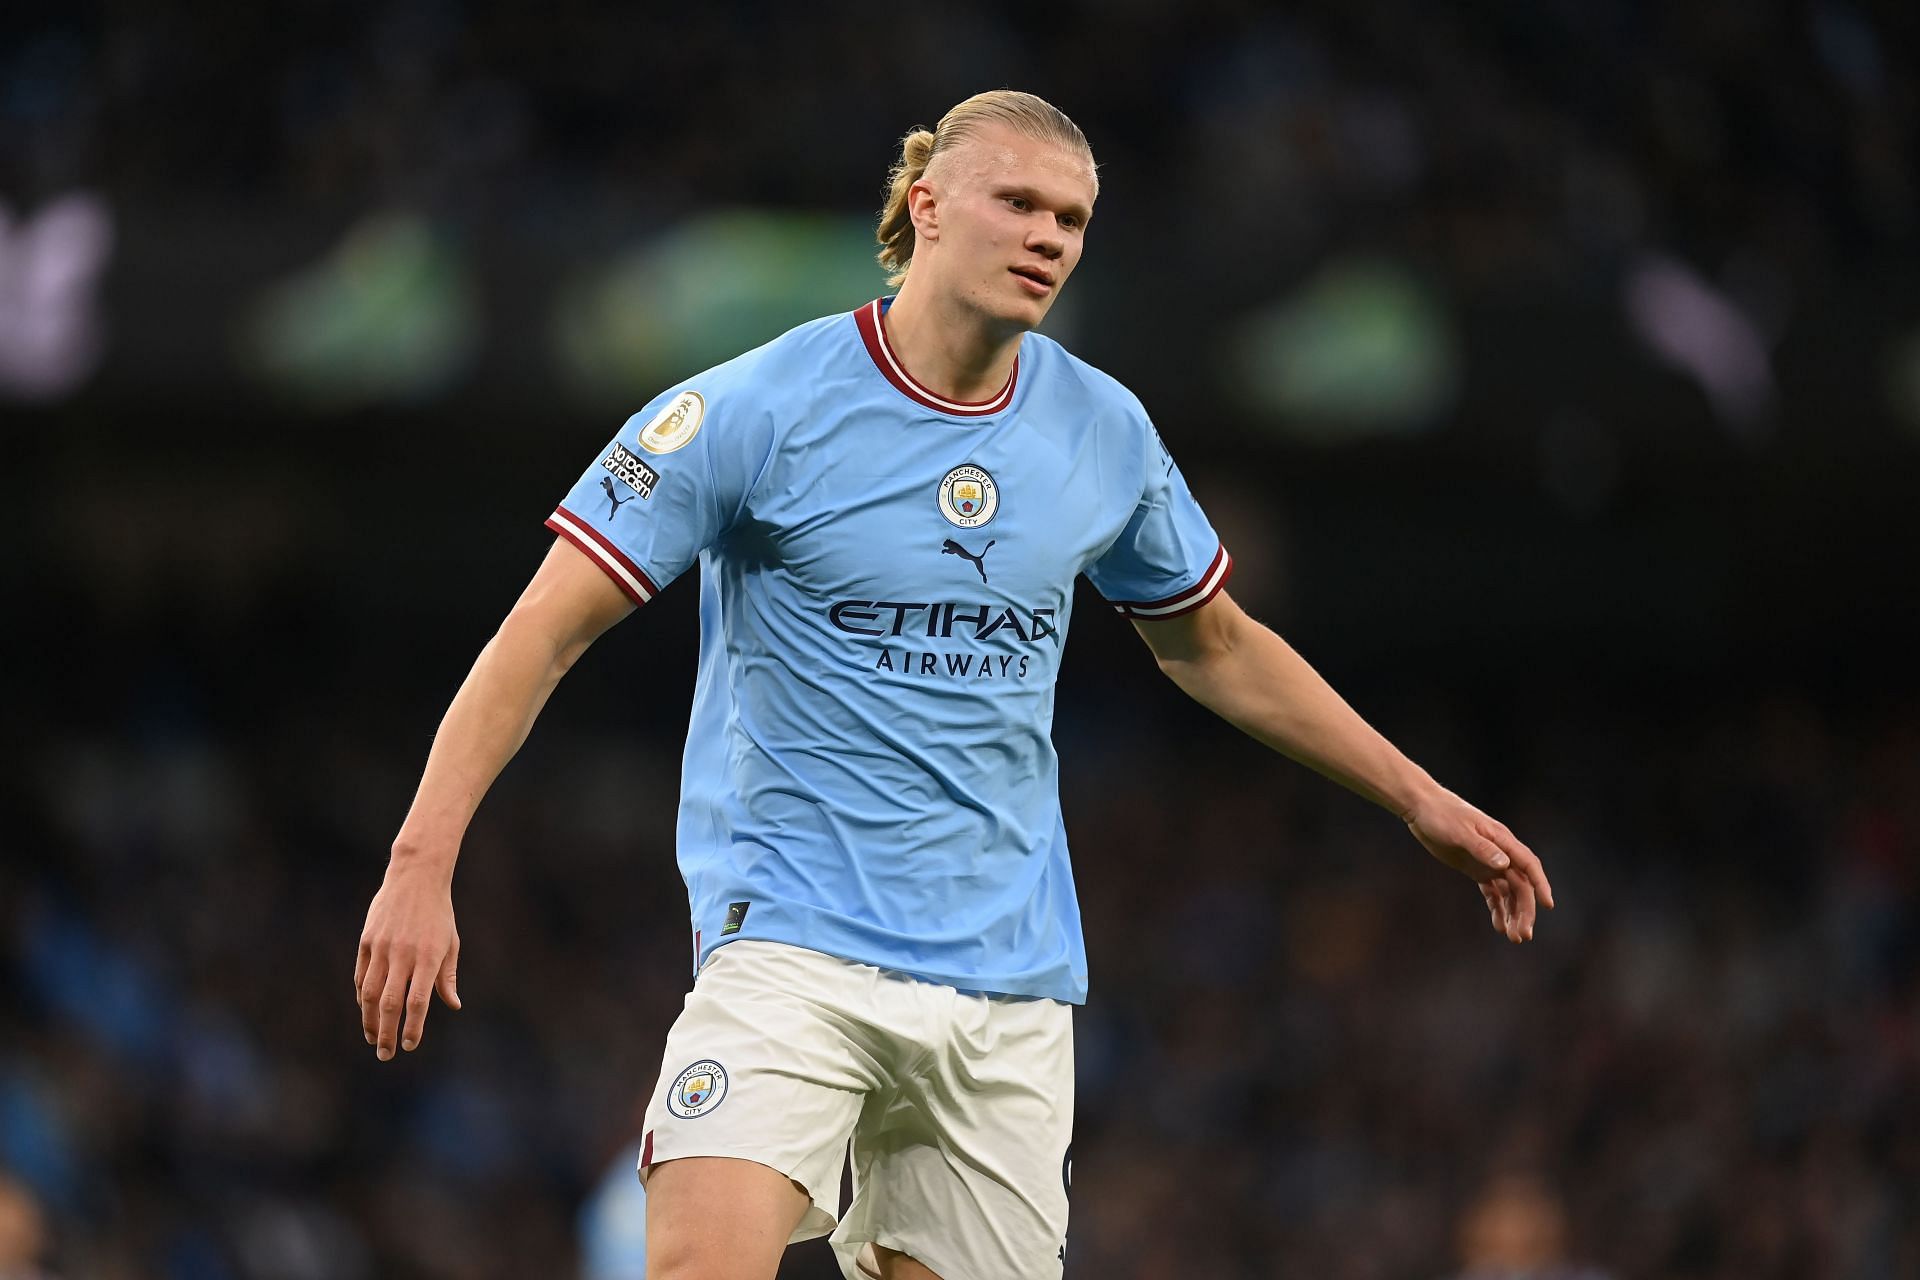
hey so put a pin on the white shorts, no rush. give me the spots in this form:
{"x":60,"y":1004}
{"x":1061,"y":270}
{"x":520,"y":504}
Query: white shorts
{"x":959,"y":1107}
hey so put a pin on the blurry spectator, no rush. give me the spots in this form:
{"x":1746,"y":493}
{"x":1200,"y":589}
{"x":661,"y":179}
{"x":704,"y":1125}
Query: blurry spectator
{"x":613,"y":1223}
{"x":1516,"y":1230}
{"x":23,"y":1233}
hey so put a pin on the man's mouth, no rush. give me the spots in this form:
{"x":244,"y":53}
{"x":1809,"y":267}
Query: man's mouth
{"x":1037,"y":280}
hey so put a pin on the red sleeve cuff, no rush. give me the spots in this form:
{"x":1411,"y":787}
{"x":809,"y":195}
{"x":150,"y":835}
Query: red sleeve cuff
{"x":1186,"y":601}
{"x":625,"y":573}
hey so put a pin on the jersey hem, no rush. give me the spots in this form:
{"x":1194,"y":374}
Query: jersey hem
{"x":975,"y":985}
{"x":626,"y":575}
{"x":1219,"y":569}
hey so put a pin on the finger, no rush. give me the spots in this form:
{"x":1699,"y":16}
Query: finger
{"x":1505,"y":893}
{"x":1537,"y":874}
{"x":1529,"y":861}
{"x":1488,"y":853}
{"x":1493,"y":906}
{"x":419,"y":1001}
{"x":370,"y":985}
{"x":393,"y":996}
{"x":1523,"y":904}
{"x":361,"y":960}
{"x":448,"y":984}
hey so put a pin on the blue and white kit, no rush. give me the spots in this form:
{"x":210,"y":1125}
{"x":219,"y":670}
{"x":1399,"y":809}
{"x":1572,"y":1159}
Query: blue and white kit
{"x":886,"y":584}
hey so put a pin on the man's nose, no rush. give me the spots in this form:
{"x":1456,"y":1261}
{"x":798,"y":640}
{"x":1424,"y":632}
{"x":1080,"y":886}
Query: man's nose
{"x":1047,"y":239}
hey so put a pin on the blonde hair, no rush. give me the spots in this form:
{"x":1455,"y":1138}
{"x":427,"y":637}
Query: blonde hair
{"x":1031,"y":115}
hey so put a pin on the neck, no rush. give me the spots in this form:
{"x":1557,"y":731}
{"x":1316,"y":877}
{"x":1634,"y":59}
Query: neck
{"x":949,"y":347}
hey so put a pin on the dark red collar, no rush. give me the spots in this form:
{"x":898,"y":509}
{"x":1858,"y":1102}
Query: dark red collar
{"x":873,"y":331}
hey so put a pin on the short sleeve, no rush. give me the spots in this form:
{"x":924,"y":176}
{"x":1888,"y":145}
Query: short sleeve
{"x":671,"y":482}
{"x":1168,"y":560}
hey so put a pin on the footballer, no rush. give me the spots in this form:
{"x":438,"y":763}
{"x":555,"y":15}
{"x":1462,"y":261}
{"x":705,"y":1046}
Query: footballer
{"x":888,"y":509}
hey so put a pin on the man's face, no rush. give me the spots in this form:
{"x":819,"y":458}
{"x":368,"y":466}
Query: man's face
{"x":1003,"y":223}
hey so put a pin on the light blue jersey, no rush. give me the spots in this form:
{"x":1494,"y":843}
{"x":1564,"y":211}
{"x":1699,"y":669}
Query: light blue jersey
{"x":886,"y":581}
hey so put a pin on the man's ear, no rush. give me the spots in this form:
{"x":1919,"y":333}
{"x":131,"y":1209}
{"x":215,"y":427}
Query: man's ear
{"x":923,"y":208}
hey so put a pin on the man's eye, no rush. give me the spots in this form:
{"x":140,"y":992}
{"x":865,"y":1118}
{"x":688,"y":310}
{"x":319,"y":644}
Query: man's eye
{"x":1018,"y":203}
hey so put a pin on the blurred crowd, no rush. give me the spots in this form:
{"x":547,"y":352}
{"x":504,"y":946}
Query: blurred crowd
{"x":1305,"y":1064}
{"x":1543,"y":193}
{"x":1513,"y":144}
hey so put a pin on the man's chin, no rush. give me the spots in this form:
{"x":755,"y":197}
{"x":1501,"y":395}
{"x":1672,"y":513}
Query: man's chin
{"x":1006,"y":313}
{"x":1022,"y":312}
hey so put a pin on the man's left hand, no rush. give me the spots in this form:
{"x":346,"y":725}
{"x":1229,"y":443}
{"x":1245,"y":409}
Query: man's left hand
{"x":1509,"y":874}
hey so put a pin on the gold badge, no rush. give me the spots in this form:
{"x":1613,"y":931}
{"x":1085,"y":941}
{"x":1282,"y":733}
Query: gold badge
{"x":674,"y":426}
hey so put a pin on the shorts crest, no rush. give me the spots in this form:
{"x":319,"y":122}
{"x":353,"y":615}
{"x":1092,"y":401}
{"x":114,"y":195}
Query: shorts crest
{"x":698,"y":1089}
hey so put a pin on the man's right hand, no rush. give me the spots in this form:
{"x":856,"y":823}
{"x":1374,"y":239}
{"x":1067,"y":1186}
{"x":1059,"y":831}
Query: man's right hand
{"x":409,"y":946}
{"x":408,"y":949}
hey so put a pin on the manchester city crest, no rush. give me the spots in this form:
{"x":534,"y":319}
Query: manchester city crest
{"x":698,"y":1089}
{"x":968,"y":497}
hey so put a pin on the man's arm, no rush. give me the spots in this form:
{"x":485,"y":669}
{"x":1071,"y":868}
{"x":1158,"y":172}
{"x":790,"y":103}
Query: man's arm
{"x":410,"y":945}
{"x":1254,"y":680}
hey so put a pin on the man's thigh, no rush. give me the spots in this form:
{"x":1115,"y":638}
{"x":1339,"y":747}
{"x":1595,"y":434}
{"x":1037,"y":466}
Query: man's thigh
{"x":718,"y":1218}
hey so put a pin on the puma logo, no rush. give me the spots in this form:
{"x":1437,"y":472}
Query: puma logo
{"x":606,"y":482}
{"x":952,"y":548}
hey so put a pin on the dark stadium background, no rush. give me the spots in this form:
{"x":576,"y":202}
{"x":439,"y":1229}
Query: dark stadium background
{"x":1552,"y":369}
